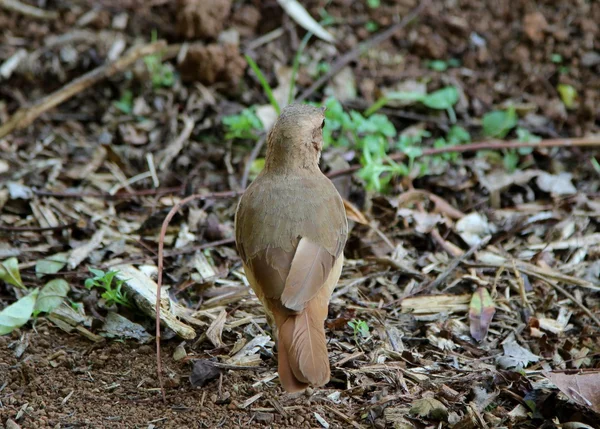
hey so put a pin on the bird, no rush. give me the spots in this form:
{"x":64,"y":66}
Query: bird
{"x":290,"y":233}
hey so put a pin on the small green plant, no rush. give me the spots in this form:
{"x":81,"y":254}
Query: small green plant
{"x":442,"y":99}
{"x":374,"y":4}
{"x":112,"y":291}
{"x":264,"y":83}
{"x":371,"y":26}
{"x":125,"y":103}
{"x":556,"y":58}
{"x":568,"y":95}
{"x":595,"y":164}
{"x":512,"y":157}
{"x":245,"y":125}
{"x":498,"y":123}
{"x":360,"y":328}
{"x":161,"y":74}
{"x":441,"y":65}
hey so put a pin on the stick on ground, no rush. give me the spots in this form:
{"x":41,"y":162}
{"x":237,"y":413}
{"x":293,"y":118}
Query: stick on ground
{"x":26,"y":115}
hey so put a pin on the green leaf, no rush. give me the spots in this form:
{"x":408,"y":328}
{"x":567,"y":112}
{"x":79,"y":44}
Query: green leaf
{"x":125,"y":103}
{"x":9,"y":272}
{"x":383,"y":125}
{"x":437,"y":65}
{"x":556,"y":58}
{"x":499,"y":122}
{"x":373,"y":4}
{"x":458,"y":135}
{"x":510,"y":160}
{"x":371,"y":26}
{"x":264,"y":83}
{"x":245,"y":125}
{"x":568,"y":95}
{"x":441,"y":99}
{"x":51,"y":296}
{"x":51,"y":265}
{"x":256,"y":167}
{"x":17,"y":314}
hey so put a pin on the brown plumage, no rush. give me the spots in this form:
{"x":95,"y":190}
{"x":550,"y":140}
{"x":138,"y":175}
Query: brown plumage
{"x":290,"y":231}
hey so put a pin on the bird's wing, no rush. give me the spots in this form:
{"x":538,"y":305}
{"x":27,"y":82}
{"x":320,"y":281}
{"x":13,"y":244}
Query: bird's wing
{"x":309,"y":271}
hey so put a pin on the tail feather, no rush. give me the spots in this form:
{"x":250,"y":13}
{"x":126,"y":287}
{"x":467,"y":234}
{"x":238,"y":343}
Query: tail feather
{"x":303,"y":347}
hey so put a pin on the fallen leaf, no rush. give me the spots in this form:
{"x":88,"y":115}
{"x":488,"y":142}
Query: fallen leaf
{"x":80,"y":253}
{"x":117,"y":326}
{"x":321,"y":420}
{"x":353,"y":213}
{"x":515,"y":356}
{"x":429,"y":408}
{"x":568,"y":95}
{"x":481,"y":312}
{"x":179,"y":352}
{"x":51,"y":265}
{"x":215,"y":329}
{"x":431,"y":304}
{"x":473,"y":228}
{"x":18,"y":313}
{"x":582,"y":388}
{"x":51,"y":296}
{"x":248,"y":354}
{"x":557,"y":184}
{"x":297,"y":12}
{"x":202,"y":372}
{"x":9,"y":272}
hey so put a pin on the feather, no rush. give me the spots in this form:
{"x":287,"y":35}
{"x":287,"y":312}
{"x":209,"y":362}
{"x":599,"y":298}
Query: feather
{"x":310,"y":269}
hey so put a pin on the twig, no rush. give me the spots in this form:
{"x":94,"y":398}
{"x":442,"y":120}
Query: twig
{"x":25,"y":116}
{"x":183,"y":251}
{"x":343,"y":416}
{"x":161,"y":245}
{"x":253,"y":155}
{"x":487,"y":145}
{"x":358,"y":50}
{"x":107,"y":196}
{"x":455,"y":262}
{"x":573,"y":299}
{"x":36,"y":228}
{"x":27,"y":10}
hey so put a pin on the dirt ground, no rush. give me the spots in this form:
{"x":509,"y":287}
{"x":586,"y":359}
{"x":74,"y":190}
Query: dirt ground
{"x":63,"y":381}
{"x":71,"y":157}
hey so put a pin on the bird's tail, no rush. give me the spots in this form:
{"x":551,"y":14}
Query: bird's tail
{"x":303,"y":357}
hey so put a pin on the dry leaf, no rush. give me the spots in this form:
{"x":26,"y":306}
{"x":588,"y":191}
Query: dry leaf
{"x":353,"y":213}
{"x":582,"y":388}
{"x":481,"y":312}
{"x":215,"y":329}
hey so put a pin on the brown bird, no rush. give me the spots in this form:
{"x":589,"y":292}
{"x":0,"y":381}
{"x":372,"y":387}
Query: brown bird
{"x":290,"y":231}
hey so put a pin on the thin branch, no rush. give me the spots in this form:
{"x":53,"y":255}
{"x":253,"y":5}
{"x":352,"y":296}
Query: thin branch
{"x":361,"y":48}
{"x":36,"y":228}
{"x":487,"y":145}
{"x":107,"y":196}
{"x":25,"y":116}
{"x":161,"y":246}
{"x":570,"y":296}
{"x":27,"y":10}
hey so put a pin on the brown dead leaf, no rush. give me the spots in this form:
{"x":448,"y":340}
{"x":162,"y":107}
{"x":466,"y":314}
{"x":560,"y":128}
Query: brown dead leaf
{"x":216,"y":329}
{"x":582,"y":388}
{"x":353,"y":213}
{"x":441,"y":205}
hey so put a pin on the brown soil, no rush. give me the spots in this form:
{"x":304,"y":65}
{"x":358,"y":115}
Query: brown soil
{"x":65,"y":381}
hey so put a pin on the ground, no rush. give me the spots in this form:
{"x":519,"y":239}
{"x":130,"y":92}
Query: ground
{"x":86,"y":182}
